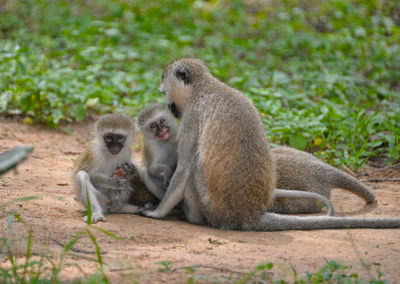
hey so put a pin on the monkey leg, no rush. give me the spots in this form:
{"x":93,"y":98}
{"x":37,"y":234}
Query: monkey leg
{"x":173,"y":196}
{"x":129,"y":209}
{"x":157,"y":189}
{"x":191,"y":206}
{"x":87,"y":189}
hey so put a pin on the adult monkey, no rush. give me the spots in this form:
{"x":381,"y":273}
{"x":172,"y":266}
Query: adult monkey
{"x":225,"y":173}
{"x":160,"y":156}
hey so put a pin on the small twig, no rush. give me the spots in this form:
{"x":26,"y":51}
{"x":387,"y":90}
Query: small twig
{"x":122,"y":269}
{"x":75,"y":249}
{"x":349,"y":171}
{"x":208,"y":266}
{"x":381,"y":169}
{"x":379,"y":179}
{"x":388,"y":167}
{"x":70,"y":153}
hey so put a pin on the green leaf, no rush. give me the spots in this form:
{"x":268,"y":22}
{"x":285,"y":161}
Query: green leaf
{"x":298,"y":142}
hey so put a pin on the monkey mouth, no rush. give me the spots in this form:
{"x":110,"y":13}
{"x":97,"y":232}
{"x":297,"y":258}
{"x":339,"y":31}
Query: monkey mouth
{"x":164,"y":134}
{"x":114,"y":151}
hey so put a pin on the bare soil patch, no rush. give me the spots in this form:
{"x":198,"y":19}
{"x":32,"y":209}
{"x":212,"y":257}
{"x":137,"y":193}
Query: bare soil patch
{"x":55,"y":217}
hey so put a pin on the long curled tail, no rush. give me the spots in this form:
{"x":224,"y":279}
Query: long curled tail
{"x":343,"y":180}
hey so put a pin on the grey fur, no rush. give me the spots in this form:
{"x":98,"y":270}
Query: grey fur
{"x":225,"y":173}
{"x":299,"y":170}
{"x":159,"y":156}
{"x":95,"y":167}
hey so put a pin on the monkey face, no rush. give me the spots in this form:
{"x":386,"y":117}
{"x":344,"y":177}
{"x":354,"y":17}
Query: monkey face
{"x":177,"y":85}
{"x":114,"y":142}
{"x":160,"y":128}
{"x":174,"y":110}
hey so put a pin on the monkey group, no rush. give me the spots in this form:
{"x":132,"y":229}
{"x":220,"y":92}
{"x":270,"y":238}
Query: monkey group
{"x":217,"y":162}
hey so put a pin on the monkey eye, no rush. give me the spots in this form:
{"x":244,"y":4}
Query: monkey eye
{"x":153,"y":125}
{"x":162,"y":121}
{"x":108,"y":137}
{"x":119,"y":137}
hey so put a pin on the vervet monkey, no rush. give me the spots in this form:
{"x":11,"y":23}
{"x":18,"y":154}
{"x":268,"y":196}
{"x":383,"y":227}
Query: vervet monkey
{"x":302,"y":171}
{"x":225,"y":173}
{"x":160,"y":155}
{"x":109,"y":153}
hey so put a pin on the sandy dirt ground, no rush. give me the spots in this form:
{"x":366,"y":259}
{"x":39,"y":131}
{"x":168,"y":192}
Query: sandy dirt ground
{"x":216,"y":255}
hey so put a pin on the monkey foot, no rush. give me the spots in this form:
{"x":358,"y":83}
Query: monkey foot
{"x":96,"y":217}
{"x":148,"y":212}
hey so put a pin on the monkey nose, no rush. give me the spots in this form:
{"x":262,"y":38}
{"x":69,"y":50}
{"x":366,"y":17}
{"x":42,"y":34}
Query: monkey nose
{"x":161,"y":90}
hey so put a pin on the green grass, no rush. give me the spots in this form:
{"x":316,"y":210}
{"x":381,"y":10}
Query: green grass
{"x":325,"y":75}
{"x":331,"y":272}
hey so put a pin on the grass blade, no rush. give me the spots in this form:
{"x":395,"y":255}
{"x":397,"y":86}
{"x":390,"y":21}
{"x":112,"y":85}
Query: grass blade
{"x":107,"y":233}
{"x":88,"y":206}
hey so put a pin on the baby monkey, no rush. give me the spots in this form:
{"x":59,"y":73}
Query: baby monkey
{"x":160,"y":154}
{"x":103,"y":171}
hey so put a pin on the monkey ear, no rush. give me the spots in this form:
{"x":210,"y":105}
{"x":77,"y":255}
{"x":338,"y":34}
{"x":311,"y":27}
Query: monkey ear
{"x":183,"y":73}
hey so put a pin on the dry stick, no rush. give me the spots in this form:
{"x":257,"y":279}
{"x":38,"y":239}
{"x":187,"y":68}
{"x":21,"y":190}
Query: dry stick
{"x":75,"y":249}
{"x":388,"y":167}
{"x":379,"y":179}
{"x":208,"y":266}
{"x":185,"y":267}
{"x":122,"y":269}
{"x":382,"y":169}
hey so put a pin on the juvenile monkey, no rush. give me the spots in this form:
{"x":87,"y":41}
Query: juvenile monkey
{"x":160,"y":155}
{"x":109,"y":155}
{"x":299,"y":170}
{"x":225,"y":173}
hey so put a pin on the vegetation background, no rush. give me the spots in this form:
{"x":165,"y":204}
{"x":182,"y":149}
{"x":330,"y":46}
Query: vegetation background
{"x":325,"y":75}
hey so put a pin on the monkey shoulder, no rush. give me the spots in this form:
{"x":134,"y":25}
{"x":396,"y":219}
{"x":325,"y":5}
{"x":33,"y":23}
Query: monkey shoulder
{"x":84,"y":162}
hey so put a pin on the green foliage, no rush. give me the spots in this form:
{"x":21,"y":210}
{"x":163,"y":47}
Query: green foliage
{"x":331,"y":272}
{"x":324,"y":74}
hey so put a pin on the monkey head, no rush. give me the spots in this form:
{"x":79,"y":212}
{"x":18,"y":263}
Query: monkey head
{"x":178,"y":80}
{"x":115,"y":131}
{"x":155,"y":121}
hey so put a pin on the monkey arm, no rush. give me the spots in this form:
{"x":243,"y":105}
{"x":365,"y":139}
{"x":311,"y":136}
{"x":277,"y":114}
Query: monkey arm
{"x":173,"y":196}
{"x":103,"y":181}
{"x":157,"y":188}
{"x":284,"y":193}
{"x":162,"y":171}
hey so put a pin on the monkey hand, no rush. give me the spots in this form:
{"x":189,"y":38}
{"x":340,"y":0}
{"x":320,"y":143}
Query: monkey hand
{"x":149,"y":212}
{"x":121,"y":184}
{"x":129,"y":169}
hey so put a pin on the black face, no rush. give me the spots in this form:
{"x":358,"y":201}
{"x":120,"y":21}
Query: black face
{"x":160,"y":128}
{"x":174,"y":110}
{"x":114,"y":142}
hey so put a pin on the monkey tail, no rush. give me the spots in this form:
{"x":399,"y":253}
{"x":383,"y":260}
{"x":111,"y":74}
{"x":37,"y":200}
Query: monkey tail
{"x":343,"y":180}
{"x":278,"y":222}
{"x":284,"y":193}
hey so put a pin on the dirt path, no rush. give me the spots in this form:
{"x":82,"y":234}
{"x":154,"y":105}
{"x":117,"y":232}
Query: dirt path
{"x":56,"y":217}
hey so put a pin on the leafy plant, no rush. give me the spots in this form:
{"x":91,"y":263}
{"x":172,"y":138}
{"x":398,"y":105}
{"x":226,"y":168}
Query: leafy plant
{"x":324,"y":75}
